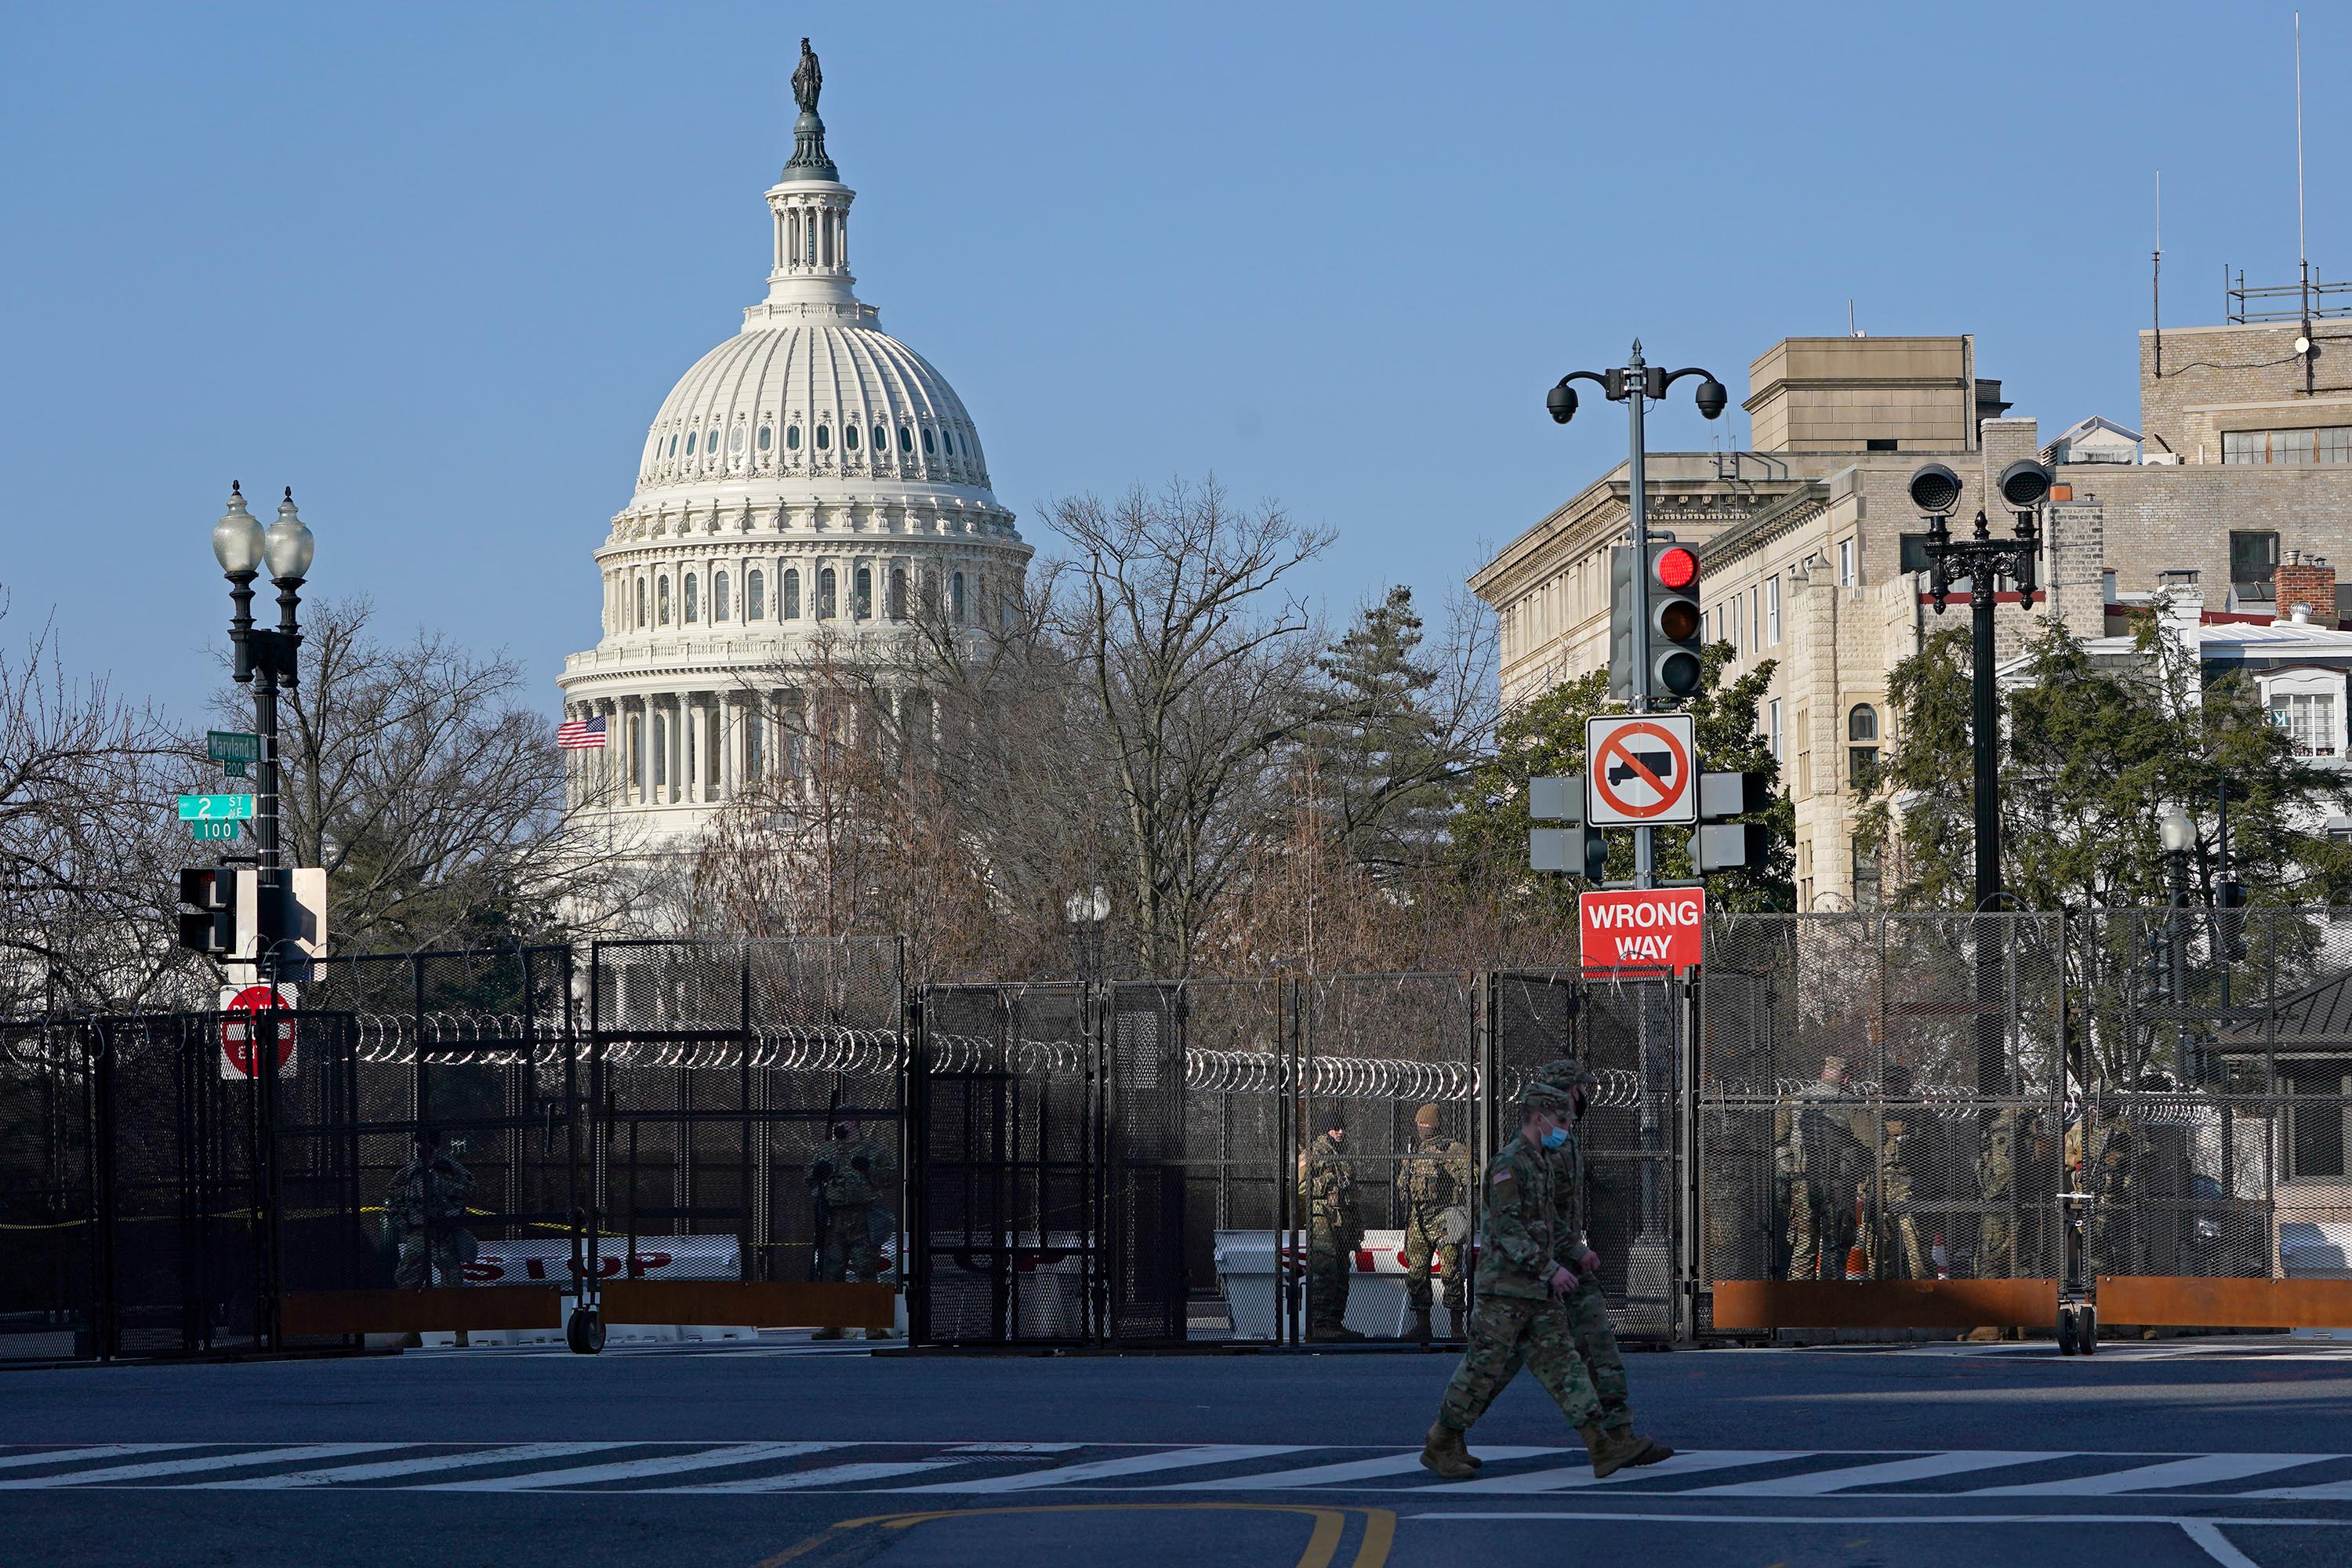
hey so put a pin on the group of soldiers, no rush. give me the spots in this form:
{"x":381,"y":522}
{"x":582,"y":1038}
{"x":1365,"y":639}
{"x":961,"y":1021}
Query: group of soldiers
{"x":1831,"y":1149}
{"x":1438,"y":1184}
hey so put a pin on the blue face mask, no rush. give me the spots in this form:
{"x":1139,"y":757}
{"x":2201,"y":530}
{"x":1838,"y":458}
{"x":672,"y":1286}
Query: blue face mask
{"x":1554,"y":1138}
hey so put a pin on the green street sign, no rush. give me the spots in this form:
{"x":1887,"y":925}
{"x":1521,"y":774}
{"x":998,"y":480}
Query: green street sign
{"x":233,"y":769}
{"x":215,"y":807}
{"x":232,"y":746}
{"x":202,"y":831}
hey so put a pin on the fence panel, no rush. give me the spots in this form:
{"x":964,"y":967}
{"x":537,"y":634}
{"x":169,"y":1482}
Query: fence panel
{"x":49,"y":1235}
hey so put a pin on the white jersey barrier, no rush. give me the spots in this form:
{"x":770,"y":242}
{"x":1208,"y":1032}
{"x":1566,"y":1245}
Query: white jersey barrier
{"x":1376,"y":1298}
{"x":657,"y":1257}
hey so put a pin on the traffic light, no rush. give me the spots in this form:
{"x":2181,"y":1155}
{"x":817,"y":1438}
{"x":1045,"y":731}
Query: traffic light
{"x":1675,"y":621}
{"x":210,"y":926}
{"x":1723,"y":846}
{"x":2230,"y":901}
{"x":1676,"y":624}
{"x":1578,"y":850}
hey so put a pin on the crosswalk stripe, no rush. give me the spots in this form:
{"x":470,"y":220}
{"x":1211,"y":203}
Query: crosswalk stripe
{"x":633,"y":1469}
{"x":502,"y":1454}
{"x":1353,"y":1470}
{"x":101,"y":1451}
{"x":829,"y":1476}
{"x":1894,"y":1472}
{"x":2322,"y":1491}
{"x":2197,"y":1471}
{"x":1108,"y":1470}
{"x":1574,"y":1476}
{"x":209,"y":1462}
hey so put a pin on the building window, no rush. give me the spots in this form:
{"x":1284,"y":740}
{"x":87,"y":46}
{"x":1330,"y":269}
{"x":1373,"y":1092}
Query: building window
{"x":1772,"y":728}
{"x":637,"y":753}
{"x":790,"y":608}
{"x":825,"y":605}
{"x":690,"y":436}
{"x":755,"y":757}
{"x":1878,"y":444}
{"x":2309,"y":720}
{"x":849,"y":436}
{"x":641,"y":604}
{"x":755,"y":594}
{"x":2326,"y":444}
{"x":673,"y":444}
{"x":1861,"y":753}
{"x":862,"y":595}
{"x":881,"y":439}
{"x":792,"y":438}
{"x":955,"y":598}
{"x":661,"y":751}
{"x":897,"y":607}
{"x":926,"y":440}
{"x":719,"y":597}
{"x":906,"y":440}
{"x":1865,"y":874}
{"x":661,"y":602}
{"x":692,"y":606}
{"x":824,"y":438}
{"x":735,"y":440}
{"x":2254,"y":563}
{"x":1845,"y":563}
{"x":767,"y":437}
{"x":1772,"y":609}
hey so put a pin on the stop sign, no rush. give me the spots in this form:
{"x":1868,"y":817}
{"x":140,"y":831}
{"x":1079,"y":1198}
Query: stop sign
{"x":245,"y":1020}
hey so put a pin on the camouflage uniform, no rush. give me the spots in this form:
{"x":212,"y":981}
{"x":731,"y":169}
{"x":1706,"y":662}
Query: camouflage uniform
{"x":1534,"y":1225}
{"x":1821,"y":1163}
{"x":1438,"y":1177}
{"x":1329,"y":1196}
{"x":852,"y":1177}
{"x":426,"y":1206}
{"x":2104,"y":1171}
{"x":1896,"y":1250}
{"x":1997,"y":1187}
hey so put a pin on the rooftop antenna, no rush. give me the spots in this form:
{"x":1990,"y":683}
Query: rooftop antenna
{"x":1851,"y":329}
{"x":2301,"y":244}
{"x":2156,"y":278}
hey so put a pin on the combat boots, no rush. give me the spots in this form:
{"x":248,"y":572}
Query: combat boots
{"x":829,"y":1334}
{"x":879,"y":1334}
{"x":1443,"y":1452}
{"x":1454,"y":1322}
{"x":1615,"y":1451}
{"x":1333,"y":1333}
{"x":1419,"y":1333}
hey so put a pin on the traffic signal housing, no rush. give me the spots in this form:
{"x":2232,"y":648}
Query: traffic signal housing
{"x":1677,"y":627}
{"x":209,"y":926}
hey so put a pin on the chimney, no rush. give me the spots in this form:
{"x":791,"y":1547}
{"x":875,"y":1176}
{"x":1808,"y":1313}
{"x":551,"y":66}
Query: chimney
{"x":2306,"y":588}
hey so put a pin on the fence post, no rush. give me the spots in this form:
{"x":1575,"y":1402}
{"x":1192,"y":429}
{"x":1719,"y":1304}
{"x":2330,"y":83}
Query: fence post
{"x":106,"y":1308}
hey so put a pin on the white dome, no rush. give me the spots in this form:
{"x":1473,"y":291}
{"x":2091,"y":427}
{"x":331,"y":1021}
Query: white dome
{"x":811,"y":401}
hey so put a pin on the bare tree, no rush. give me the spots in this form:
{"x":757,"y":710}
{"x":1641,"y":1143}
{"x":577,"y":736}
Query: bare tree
{"x":89,"y":843}
{"x":434,"y":798}
{"x":1176,"y":611}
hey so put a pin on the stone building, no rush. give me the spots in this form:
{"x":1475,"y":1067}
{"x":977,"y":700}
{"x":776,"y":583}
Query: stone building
{"x":1813,"y":558}
{"x":806,"y":488}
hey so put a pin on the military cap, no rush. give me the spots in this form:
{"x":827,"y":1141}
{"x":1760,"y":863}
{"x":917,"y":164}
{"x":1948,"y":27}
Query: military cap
{"x":1569,"y":1073}
{"x":1542,"y":1094}
{"x":1832,"y":1064}
{"x":1428,"y":1116}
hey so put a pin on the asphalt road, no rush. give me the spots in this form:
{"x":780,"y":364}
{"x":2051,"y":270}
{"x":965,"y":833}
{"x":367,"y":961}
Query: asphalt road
{"x":2191,"y":1452}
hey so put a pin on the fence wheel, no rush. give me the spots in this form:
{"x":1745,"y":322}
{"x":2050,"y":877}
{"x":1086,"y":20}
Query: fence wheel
{"x":2066,"y":1331}
{"x":584,"y":1332}
{"x":2088,"y":1336}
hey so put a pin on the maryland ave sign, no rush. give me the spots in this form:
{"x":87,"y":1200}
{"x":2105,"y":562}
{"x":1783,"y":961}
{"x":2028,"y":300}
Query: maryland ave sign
{"x":1653,"y":928}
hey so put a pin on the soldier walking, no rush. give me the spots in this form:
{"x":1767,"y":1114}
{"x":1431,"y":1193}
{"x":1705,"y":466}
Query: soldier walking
{"x":426,"y":1206}
{"x":847,"y":1182}
{"x":1819,"y":1162}
{"x":1539,"y":1302}
{"x":1438,"y":1183}
{"x":1329,"y":1196}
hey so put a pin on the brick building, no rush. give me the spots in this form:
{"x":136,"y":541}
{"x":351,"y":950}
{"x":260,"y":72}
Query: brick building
{"x":1812,"y":554}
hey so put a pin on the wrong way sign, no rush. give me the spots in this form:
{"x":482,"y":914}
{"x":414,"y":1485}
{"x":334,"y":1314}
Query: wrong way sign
{"x":1641,"y":772}
{"x":1655,"y":927}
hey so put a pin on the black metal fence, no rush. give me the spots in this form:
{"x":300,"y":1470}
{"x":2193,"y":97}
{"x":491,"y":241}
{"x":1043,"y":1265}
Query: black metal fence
{"x":1852,"y":1097}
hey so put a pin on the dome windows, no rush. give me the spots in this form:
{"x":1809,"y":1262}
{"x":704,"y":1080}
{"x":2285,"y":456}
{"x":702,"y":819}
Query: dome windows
{"x":719,"y":597}
{"x":767,"y":437}
{"x":735,"y":440}
{"x":661,"y":602}
{"x":849,"y":436}
{"x":826,"y":601}
{"x":788,"y":606}
{"x":861,"y":603}
{"x":641,"y":604}
{"x":792,"y":438}
{"x":755,"y":594}
{"x":906,"y":440}
{"x":881,"y":439}
{"x":928,"y":447}
{"x":823,"y":438}
{"x":673,"y":444}
{"x":691,"y":606}
{"x":691,"y":436}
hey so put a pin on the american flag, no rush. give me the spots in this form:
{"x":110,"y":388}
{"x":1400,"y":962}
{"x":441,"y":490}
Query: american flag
{"x":581,"y":735}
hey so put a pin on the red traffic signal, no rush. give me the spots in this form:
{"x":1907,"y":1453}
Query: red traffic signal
{"x":1676,"y":567}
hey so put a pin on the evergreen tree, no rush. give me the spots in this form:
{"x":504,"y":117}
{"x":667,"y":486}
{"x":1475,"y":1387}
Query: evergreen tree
{"x":1380,"y":759}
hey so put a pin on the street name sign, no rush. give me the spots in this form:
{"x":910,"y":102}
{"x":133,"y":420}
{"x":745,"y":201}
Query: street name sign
{"x":1655,"y":928}
{"x":232,"y":748}
{"x":1642,"y":771}
{"x":204,"y":831}
{"x":215,"y":807}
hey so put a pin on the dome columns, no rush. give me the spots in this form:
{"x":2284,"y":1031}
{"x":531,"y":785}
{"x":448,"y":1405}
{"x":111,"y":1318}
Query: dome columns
{"x":811,"y":244}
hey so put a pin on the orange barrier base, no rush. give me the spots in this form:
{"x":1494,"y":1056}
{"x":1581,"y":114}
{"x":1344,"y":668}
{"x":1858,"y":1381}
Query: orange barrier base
{"x":2191,"y":1303}
{"x":1890,"y":1304}
{"x":312,"y":1312}
{"x":772,"y":1304}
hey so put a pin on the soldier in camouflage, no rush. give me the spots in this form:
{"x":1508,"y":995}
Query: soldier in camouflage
{"x":1539,"y":1302}
{"x":1818,"y":1161}
{"x":426,"y":1208}
{"x":1327,"y":1193}
{"x":1439,"y":1180}
{"x":849,"y":1180}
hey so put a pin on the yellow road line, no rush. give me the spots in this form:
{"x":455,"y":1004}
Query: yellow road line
{"x":1322,"y":1544}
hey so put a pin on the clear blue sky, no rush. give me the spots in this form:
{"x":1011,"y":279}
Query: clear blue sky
{"x":436,"y":266}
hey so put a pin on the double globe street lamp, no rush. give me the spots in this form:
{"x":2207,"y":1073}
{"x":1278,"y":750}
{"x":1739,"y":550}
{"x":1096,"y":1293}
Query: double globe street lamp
{"x":265,"y":658}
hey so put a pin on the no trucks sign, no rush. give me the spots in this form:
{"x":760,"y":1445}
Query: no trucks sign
{"x":1656,"y":927}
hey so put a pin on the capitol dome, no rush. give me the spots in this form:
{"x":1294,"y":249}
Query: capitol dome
{"x":811,"y":483}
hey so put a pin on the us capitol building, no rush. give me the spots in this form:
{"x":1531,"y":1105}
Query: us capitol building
{"x":809,"y":485}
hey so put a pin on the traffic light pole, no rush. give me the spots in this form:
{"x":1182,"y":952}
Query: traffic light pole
{"x":1645,"y":845}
